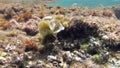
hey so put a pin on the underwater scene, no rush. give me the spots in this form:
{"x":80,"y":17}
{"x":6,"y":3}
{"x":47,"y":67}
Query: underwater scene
{"x":59,"y":33}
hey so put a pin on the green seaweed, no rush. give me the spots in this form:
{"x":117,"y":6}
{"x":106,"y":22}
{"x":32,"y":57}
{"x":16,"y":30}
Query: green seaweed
{"x":84,"y":47}
{"x":96,"y":58}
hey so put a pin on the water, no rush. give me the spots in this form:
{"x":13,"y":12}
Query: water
{"x":23,"y":1}
{"x":89,"y":3}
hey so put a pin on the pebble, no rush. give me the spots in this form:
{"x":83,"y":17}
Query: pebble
{"x":48,"y":18}
{"x":78,"y":59}
{"x":8,"y":48}
{"x":51,"y":58}
{"x":39,"y":62}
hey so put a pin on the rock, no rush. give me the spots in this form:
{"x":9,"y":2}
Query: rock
{"x":39,"y":62}
{"x":69,"y":45}
{"x":8,"y":47}
{"x":31,"y":27}
{"x":51,"y":58}
{"x":68,"y":57}
{"x":78,"y":59}
{"x":114,"y":62}
{"x":19,"y":62}
{"x":94,"y":46}
{"x":91,"y":64}
{"x":18,"y":8}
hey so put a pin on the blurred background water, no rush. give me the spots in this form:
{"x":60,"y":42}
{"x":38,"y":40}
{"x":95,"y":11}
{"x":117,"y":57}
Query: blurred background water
{"x":89,"y":3}
{"x":66,"y":3}
{"x":25,"y":1}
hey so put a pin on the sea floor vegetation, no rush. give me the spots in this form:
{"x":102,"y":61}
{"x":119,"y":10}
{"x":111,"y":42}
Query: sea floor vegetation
{"x":41,"y":36}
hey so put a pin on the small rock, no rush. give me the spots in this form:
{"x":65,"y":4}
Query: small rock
{"x":78,"y":59}
{"x":39,"y":62}
{"x":51,"y":58}
{"x":31,"y":27}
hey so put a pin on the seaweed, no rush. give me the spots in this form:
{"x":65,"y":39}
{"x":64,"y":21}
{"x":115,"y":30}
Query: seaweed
{"x":5,"y":24}
{"x":24,"y":17}
{"x":77,"y":30}
{"x":29,"y":44}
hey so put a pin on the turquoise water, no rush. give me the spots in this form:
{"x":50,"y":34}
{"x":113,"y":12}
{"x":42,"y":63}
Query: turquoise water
{"x":89,"y":3}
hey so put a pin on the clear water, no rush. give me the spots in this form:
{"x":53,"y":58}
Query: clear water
{"x":89,"y":3}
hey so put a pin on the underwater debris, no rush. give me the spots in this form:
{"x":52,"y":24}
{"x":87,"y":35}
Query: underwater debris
{"x":50,"y":25}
